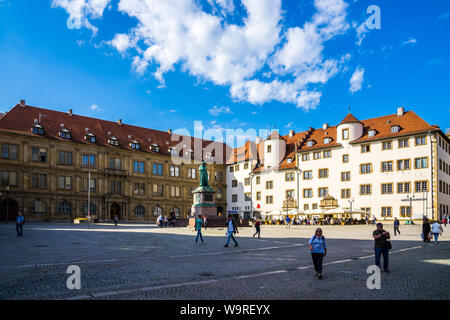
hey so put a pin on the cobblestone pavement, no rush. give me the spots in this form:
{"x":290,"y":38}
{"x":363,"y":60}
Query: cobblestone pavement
{"x":145,"y":262}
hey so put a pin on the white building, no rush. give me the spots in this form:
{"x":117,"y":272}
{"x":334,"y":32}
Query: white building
{"x":389,"y":166}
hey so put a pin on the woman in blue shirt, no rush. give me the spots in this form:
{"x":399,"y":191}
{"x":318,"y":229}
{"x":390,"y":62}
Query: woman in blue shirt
{"x":318,"y":247}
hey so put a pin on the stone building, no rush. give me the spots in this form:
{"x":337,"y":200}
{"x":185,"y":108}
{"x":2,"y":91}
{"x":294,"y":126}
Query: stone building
{"x":46,"y":157}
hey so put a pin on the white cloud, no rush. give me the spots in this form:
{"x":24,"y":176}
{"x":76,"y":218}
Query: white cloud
{"x":289,"y":125}
{"x":216,"y":111}
{"x":95,"y":107}
{"x":357,"y":79}
{"x":121,"y":42}
{"x":410,"y":41}
{"x":361,"y":31}
{"x":80,"y":10}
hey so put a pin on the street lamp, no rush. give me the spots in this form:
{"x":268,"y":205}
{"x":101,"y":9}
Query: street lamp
{"x":351,"y":206}
{"x":251,"y":195}
{"x":410,"y":198}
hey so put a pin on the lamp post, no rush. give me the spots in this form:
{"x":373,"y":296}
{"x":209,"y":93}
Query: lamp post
{"x":410,"y":198}
{"x":251,"y":195}
{"x":351,"y":206}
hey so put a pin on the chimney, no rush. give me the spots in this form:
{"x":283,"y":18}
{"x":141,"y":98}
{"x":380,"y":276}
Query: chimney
{"x":310,"y":129}
{"x":169,"y":131}
{"x":291,"y":133}
{"x":22,"y":103}
{"x":119,"y":121}
{"x":70,"y":112}
{"x":325,"y":126}
{"x":400,"y":111}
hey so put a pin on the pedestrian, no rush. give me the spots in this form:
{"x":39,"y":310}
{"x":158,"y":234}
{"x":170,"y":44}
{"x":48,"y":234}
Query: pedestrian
{"x":205,"y":221}
{"x":318,"y":247}
{"x":288,"y":222}
{"x":160,"y":221}
{"x":231,"y":229}
{"x":166,"y":221}
{"x":198,"y":228}
{"x":173,"y":219}
{"x":258,"y":229}
{"x":436,"y":230}
{"x":445,"y":220}
{"x":19,"y":224}
{"x":367,"y":220}
{"x":381,"y":237}
{"x":396,"y":226}
{"x":116,"y":219}
{"x":426,"y":229}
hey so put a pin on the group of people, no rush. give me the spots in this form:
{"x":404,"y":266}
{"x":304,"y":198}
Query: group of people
{"x":164,"y":221}
{"x":231,"y":229}
{"x":430,"y":231}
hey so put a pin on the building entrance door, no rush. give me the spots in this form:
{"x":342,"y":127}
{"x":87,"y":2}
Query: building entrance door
{"x":8,"y":208}
{"x":115,"y":210}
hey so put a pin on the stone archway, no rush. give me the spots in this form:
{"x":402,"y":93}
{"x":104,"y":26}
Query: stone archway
{"x":8,"y":208}
{"x":114,"y":210}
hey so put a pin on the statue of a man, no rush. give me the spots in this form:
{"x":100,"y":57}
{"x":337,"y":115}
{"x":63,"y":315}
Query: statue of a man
{"x":203,"y":175}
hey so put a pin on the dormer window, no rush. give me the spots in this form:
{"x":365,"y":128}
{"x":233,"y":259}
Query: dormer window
{"x":173,"y":151}
{"x":113,"y":141}
{"x":89,"y":138}
{"x":190,"y":153}
{"x":65,"y":134}
{"x":327,"y":140}
{"x":154,"y":147}
{"x":310,"y":143}
{"x":372,"y":133}
{"x":395,"y":129}
{"x":134,"y":145}
{"x":37,"y":129}
{"x":289,"y":160}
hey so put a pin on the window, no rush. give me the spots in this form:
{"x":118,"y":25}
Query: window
{"x":139,"y":188}
{"x":326,"y":140}
{"x":404,"y":164}
{"x":37,"y":129}
{"x":231,"y":169}
{"x":38,"y":206}
{"x":174,"y":171}
{"x":218,"y":176}
{"x":307,"y":175}
{"x":269,"y":199}
{"x":175,"y":191}
{"x":38,"y":180}
{"x":345,"y":193}
{"x":421,"y":140}
{"x":387,"y":188}
{"x":139,"y":210}
{"x":289,"y":176}
{"x":345,"y":176}
{"x":269,"y":184}
{"x":405,"y":211}
{"x":236,"y":168}
{"x":258,"y":180}
{"x":247,"y":196}
{"x":365,"y":148}
{"x":157,"y":211}
{"x":158,"y":190}
{"x":323,"y":192}
{"x":314,"y":206}
{"x":247,"y":181}
{"x":306,"y":207}
{"x":64,"y":207}
{"x":386,"y":211}
{"x":345,"y":158}
{"x":219,"y":193}
{"x":395,"y":129}
{"x":65,"y":158}
{"x":88,"y":161}
{"x":115,"y":163}
{"x":387,"y":145}
{"x":258,"y":195}
{"x":387,"y":166}
{"x":403,"y":143}
{"x":65,"y":134}
{"x":365,"y":168}
{"x":154,"y":147}
{"x":134,"y":145}
{"x":345,"y":134}
{"x":365,"y":189}
{"x":421,"y":163}
{"x":9,"y":178}
{"x":421,"y":186}
{"x":192,"y":173}
{"x":115,"y":186}
{"x":305,"y":156}
{"x":372,"y":133}
{"x":310,"y":143}
{"x":234,"y":198}
{"x":9,"y":151}
{"x":323,"y":173}
{"x":139,"y":167}
{"x":38,"y":154}
{"x":113,"y":141}
{"x":93,"y":209}
{"x":246,"y":166}
{"x":327,"y":154}
{"x":367,"y":211}
{"x":157,"y":169}
{"x":234,"y":183}
{"x":89,"y":138}
{"x":289,"y":194}
{"x":289,"y":160}
{"x":173,"y":151}
{"x":307,"y":193}
{"x":269,"y":148}
{"x":317,"y":155}
{"x":64,"y":182}
{"x":92,"y":184}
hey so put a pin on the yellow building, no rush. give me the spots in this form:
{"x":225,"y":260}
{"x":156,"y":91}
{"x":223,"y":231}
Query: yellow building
{"x":46,"y":157}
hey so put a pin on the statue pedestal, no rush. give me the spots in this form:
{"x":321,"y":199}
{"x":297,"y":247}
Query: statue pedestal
{"x":205,"y":206}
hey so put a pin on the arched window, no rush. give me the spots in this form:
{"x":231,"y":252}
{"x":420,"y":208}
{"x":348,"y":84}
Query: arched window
{"x":219,"y":193}
{"x":64,"y":207}
{"x":38,"y":206}
{"x":157,"y":211}
{"x":93,"y":208}
{"x":139,"y":210}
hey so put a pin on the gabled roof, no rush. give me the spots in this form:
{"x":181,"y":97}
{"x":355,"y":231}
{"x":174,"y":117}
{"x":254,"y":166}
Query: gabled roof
{"x":275,"y":136}
{"x":349,"y":119}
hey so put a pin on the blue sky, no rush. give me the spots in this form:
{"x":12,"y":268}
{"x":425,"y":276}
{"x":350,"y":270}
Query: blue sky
{"x":232,"y":64}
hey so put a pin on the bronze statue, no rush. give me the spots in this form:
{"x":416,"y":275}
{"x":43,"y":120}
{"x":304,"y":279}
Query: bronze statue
{"x":203,"y":175}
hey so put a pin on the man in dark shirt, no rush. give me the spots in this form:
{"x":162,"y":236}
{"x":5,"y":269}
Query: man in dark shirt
{"x":381,"y":241}
{"x":396,"y":226}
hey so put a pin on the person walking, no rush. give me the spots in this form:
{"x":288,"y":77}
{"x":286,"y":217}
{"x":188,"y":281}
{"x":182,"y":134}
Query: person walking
{"x":288,"y":222}
{"x":231,"y":229}
{"x":436,"y":230}
{"x":198,"y":228}
{"x":205,"y":221}
{"x":445,"y":220}
{"x":160,"y":221}
{"x":396,"y":226}
{"x":426,"y":229}
{"x":374,"y":220}
{"x":381,"y":237}
{"x":116,"y":219}
{"x":19,"y":224}
{"x":258,"y":229}
{"x":318,"y":247}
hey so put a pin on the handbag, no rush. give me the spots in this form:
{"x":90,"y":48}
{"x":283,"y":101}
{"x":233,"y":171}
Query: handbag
{"x":389,"y":245}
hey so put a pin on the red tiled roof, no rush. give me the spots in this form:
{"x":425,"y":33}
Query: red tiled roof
{"x":350,"y":119}
{"x":21,"y":119}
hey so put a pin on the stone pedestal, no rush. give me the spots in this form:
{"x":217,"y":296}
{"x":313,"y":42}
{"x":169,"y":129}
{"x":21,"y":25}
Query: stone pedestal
{"x":204,"y":205}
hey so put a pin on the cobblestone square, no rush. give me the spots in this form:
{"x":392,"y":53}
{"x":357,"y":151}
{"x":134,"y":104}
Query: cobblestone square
{"x":134,"y":261}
